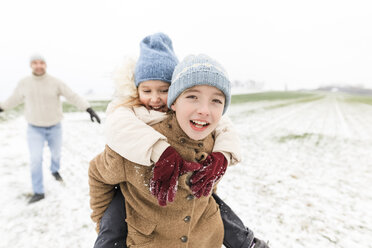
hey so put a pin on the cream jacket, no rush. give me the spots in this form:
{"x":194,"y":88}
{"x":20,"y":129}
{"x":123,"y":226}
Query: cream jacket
{"x":128,"y":133}
{"x":41,"y":96}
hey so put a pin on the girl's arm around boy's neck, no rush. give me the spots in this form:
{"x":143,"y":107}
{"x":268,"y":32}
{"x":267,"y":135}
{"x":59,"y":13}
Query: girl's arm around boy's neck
{"x":227,"y":141}
{"x":127,"y":132}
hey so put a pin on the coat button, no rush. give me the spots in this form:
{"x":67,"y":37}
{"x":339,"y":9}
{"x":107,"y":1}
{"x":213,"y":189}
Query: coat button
{"x":182,"y":140}
{"x":200,"y":144}
{"x":169,"y":126}
{"x":184,"y":239}
{"x":187,"y":219}
{"x":190,"y":197}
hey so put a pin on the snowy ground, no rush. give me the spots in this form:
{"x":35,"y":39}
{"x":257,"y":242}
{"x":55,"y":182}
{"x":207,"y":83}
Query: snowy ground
{"x":305,"y":180}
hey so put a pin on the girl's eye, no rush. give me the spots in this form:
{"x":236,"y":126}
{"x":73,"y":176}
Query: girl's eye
{"x":164,"y":91}
{"x":147,"y":91}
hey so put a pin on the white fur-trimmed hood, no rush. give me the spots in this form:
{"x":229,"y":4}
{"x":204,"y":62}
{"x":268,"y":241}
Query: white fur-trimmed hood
{"x":123,"y":77}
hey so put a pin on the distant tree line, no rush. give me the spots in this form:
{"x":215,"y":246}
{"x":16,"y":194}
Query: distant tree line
{"x":360,"y":90}
{"x":248,"y":84}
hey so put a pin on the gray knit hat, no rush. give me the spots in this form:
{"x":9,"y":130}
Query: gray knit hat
{"x":199,"y":70}
{"x":37,"y":57}
{"x":157,"y":59}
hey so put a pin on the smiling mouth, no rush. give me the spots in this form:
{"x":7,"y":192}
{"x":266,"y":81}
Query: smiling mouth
{"x":199,"y":124}
{"x":157,"y":107}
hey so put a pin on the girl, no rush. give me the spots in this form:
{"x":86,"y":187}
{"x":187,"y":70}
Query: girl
{"x":153,"y":145}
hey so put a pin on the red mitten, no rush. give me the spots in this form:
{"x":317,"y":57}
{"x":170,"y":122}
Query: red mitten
{"x":170,"y":166}
{"x":202,"y":181}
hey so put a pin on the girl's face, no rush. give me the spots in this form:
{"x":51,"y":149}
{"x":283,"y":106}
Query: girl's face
{"x":198,"y":110}
{"x":153,"y":95}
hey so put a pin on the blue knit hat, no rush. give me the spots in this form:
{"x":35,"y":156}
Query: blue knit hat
{"x":157,"y":59}
{"x":199,"y":70}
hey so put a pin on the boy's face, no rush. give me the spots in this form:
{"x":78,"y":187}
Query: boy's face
{"x":198,"y":110}
{"x":154,"y":94}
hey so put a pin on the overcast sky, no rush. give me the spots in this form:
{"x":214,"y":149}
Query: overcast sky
{"x":301,"y":44}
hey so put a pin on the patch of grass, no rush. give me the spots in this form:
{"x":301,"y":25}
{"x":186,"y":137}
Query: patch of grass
{"x":269,"y":96}
{"x":359,"y":99}
{"x":97,"y":106}
{"x":313,"y":97}
{"x":302,"y":100}
{"x":294,"y":137}
{"x":12,"y":113}
{"x":317,"y":138}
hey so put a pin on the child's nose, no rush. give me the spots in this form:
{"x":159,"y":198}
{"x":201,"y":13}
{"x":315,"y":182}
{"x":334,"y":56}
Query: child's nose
{"x":204,"y":109}
{"x":155,"y":98}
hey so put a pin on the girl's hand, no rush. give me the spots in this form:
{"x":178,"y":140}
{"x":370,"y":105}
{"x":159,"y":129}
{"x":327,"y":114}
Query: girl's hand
{"x":202,"y":181}
{"x":167,"y":170}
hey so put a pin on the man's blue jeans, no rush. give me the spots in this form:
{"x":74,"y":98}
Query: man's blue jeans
{"x":36,"y":138}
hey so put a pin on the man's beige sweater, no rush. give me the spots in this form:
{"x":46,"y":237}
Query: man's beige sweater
{"x":41,"y":96}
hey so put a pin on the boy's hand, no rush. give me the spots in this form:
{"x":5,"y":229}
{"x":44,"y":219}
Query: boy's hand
{"x":202,"y":181}
{"x":170,"y":166}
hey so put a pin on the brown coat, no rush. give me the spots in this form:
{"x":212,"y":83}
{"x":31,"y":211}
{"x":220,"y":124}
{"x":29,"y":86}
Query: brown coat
{"x":186,"y":222}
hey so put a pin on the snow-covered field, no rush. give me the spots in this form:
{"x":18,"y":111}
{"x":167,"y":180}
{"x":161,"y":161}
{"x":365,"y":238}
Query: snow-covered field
{"x":305,"y":180}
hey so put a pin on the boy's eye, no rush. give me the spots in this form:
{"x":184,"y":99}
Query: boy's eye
{"x":146,"y":91}
{"x":217,"y":101}
{"x":164,"y":91}
{"x":191,"y":97}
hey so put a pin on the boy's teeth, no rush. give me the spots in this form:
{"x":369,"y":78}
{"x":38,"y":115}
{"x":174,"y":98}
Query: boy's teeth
{"x":200,"y":123}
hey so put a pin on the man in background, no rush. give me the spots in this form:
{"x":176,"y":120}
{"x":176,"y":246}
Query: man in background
{"x":40,"y":94}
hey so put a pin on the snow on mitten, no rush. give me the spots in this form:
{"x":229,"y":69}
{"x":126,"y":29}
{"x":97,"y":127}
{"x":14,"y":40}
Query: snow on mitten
{"x":167,"y":170}
{"x":202,"y":181}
